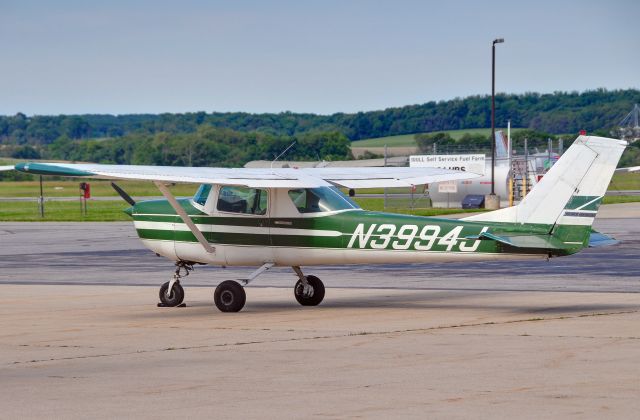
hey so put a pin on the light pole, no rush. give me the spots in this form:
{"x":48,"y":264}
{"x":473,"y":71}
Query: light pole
{"x":493,"y":114}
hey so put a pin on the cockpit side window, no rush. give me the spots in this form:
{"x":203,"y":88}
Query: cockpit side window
{"x":242,"y":200}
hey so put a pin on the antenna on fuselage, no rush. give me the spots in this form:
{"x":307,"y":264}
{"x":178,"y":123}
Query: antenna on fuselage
{"x":283,"y":152}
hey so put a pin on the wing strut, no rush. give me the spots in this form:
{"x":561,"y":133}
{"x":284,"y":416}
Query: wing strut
{"x":185,"y":217}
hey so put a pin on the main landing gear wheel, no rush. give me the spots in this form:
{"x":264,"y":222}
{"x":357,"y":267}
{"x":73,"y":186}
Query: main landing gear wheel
{"x":310,"y":294}
{"x":230,"y":296}
{"x":173,"y":297}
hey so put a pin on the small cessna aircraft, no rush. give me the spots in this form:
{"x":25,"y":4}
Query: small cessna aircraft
{"x":296,"y":217}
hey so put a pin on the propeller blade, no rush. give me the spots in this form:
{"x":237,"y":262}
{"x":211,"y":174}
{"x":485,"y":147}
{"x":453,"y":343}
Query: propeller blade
{"x":126,"y":197}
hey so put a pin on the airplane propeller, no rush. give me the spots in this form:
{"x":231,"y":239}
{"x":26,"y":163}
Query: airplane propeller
{"x":126,"y":197}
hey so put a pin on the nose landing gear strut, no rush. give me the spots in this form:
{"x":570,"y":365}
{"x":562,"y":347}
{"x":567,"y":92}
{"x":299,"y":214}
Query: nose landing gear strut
{"x":171,"y":292}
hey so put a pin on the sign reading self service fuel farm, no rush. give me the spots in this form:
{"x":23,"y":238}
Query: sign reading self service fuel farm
{"x":467,"y":163}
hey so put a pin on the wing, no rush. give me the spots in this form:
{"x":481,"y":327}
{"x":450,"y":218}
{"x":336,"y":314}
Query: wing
{"x":7,"y":168}
{"x":254,"y":177}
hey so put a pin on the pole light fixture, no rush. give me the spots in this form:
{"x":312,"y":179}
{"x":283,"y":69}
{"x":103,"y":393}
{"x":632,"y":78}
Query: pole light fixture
{"x":493,"y":111}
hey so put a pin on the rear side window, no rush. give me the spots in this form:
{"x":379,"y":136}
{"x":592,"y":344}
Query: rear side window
{"x":242,"y":200}
{"x":319,"y":200}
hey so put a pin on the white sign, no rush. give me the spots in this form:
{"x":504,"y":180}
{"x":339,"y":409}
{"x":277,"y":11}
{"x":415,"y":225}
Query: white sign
{"x":466,"y":163}
{"x":448,"y":187}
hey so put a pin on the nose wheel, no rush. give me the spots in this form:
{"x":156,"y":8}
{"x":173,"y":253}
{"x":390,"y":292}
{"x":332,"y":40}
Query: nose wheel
{"x":309,"y":291}
{"x":173,"y":296}
{"x":171,"y":293}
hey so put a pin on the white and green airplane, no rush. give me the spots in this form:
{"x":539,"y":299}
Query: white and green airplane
{"x":297,"y":217}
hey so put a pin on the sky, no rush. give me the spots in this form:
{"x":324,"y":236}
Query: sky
{"x":119,"y":57}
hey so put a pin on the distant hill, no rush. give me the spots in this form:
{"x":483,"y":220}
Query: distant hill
{"x":407,"y":140}
{"x":558,"y":112}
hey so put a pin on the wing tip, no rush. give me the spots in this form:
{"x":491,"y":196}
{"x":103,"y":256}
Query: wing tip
{"x":50,"y":169}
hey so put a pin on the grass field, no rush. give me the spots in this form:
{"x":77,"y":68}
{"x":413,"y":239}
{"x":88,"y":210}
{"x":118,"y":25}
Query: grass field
{"x":63,"y":211}
{"x":391,"y":141}
{"x":98,"y":188}
{"x":617,"y":199}
{"x":625,"y":181}
{"x":408,"y":139}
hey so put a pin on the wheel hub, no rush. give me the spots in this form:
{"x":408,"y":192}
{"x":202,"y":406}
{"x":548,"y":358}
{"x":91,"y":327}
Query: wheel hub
{"x":305,"y":290}
{"x":226,"y":297}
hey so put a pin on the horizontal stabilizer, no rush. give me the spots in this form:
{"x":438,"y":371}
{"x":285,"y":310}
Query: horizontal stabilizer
{"x":600,"y":239}
{"x":524,"y":241}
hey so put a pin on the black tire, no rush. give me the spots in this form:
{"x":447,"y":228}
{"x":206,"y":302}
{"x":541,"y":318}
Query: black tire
{"x":316,"y":295}
{"x":229,"y":296}
{"x":173,"y":298}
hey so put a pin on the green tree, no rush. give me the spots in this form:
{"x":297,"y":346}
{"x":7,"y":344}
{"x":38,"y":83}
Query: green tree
{"x":25,"y":152}
{"x":426,"y":141}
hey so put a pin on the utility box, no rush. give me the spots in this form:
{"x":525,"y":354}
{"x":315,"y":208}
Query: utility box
{"x":473,"y":201}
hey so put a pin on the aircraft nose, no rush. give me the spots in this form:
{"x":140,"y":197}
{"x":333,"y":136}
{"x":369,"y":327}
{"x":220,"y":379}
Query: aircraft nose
{"x":129,"y":211}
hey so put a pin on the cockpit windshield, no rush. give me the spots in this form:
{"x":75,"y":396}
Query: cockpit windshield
{"x":322,"y":199}
{"x":202,"y":194}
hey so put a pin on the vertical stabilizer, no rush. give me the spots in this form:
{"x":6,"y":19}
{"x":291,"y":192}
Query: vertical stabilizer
{"x":571,"y":192}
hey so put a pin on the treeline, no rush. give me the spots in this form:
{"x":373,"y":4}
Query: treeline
{"x":559,"y":112}
{"x":215,"y":147}
{"x":207,"y":146}
{"x":471,"y":143}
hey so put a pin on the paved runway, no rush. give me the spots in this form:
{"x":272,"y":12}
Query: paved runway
{"x":79,"y":339}
{"x":105,"y":352}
